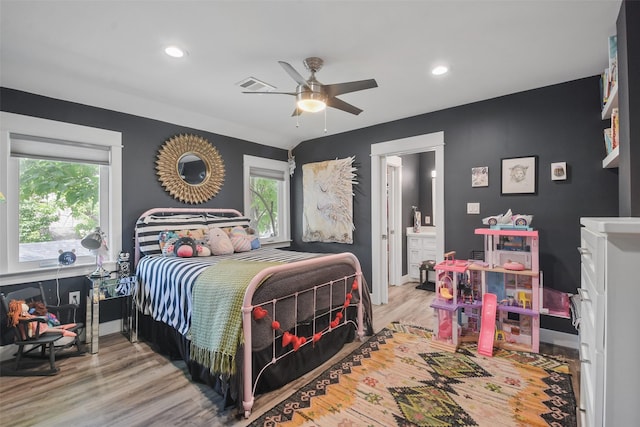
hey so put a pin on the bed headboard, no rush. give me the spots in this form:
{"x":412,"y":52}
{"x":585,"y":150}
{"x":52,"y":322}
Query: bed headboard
{"x":155,"y":220}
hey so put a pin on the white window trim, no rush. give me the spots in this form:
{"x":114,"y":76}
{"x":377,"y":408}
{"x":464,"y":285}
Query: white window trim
{"x":284,"y":210}
{"x":33,"y":126}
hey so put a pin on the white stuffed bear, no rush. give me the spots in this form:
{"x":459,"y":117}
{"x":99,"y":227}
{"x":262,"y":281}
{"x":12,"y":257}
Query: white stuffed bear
{"x":219,"y":242}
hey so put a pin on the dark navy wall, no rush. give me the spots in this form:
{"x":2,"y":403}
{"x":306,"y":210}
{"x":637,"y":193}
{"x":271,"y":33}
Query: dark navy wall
{"x":141,"y":139}
{"x":559,"y":123}
{"x":555,"y":123}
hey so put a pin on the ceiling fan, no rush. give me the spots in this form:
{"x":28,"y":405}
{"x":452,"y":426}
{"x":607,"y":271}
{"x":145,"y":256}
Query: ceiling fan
{"x":313,"y":96}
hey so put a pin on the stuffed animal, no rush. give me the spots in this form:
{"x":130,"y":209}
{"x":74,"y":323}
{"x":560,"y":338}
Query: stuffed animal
{"x":255,"y":240}
{"x":219,"y":242}
{"x":19,"y":310}
{"x":166,"y":240}
{"x":240,"y":240}
{"x":185,"y":247}
{"x":202,"y":249}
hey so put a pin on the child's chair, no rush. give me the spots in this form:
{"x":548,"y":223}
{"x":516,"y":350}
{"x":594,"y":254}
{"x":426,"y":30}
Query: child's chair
{"x":524,"y":299}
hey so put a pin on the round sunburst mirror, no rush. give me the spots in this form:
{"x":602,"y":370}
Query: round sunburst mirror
{"x":190,"y":168}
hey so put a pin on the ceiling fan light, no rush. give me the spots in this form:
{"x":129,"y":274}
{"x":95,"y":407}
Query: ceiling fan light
{"x":311,"y":105}
{"x":311,"y":102}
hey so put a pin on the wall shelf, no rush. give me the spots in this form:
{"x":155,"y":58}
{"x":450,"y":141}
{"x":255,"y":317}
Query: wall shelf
{"x":612,"y":103}
{"x":612,"y":159}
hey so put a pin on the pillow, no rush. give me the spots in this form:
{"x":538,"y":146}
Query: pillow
{"x":219,"y":242}
{"x":227,"y":222}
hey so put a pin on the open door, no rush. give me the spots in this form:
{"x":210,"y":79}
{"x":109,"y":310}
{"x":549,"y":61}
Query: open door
{"x":394,"y":219}
{"x":379,"y":237}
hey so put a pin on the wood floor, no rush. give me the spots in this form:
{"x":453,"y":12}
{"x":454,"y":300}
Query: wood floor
{"x":129,"y":384}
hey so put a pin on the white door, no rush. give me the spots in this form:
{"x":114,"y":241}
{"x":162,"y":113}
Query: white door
{"x":394,"y":219}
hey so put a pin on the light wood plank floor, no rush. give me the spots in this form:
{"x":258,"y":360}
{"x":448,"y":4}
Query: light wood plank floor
{"x":129,"y":384}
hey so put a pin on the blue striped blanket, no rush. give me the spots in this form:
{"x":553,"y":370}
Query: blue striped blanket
{"x":165,"y":284}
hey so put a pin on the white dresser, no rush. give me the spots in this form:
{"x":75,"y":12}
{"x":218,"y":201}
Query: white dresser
{"x":610,"y":325}
{"x":420,"y":247}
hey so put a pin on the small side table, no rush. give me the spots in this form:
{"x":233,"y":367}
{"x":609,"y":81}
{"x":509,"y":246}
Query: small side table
{"x":103,"y":288}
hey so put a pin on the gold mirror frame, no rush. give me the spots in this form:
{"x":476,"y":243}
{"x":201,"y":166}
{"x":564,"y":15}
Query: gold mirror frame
{"x":167,"y":168}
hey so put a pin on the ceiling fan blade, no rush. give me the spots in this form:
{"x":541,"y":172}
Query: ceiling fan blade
{"x":344,"y":106}
{"x":293,"y":73}
{"x":340,"y":88}
{"x":273,"y":93}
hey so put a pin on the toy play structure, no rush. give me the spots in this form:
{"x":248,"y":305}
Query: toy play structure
{"x":495,"y":302}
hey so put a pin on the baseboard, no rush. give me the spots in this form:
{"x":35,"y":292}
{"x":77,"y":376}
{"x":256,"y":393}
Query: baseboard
{"x":561,"y":339}
{"x":407,"y":279}
{"x":108,"y":328}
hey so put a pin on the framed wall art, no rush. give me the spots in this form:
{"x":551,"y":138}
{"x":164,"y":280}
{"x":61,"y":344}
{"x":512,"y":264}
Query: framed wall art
{"x":559,"y":171}
{"x":519,"y":175}
{"x":480,"y":176}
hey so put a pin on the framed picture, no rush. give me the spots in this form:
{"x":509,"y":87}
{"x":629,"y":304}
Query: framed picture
{"x":519,"y":175}
{"x":559,"y":171}
{"x":480,"y":176}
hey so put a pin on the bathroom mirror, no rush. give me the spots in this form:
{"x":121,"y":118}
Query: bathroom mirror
{"x":190,"y":168}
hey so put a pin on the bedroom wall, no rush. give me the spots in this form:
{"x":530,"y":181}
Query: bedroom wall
{"x":141,"y":138}
{"x":556,"y":123}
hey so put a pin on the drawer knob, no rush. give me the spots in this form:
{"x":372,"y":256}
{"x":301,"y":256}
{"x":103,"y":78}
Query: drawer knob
{"x":582,"y":358}
{"x":584,"y":294}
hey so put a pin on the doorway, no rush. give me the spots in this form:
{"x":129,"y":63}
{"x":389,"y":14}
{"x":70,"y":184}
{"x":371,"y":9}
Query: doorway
{"x":379,"y":220}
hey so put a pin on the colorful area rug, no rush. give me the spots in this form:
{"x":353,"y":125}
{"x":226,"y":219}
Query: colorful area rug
{"x":397,"y":379}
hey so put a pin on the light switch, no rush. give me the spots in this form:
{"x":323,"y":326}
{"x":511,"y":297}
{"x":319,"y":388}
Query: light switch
{"x":427,"y":220}
{"x":473,"y":208}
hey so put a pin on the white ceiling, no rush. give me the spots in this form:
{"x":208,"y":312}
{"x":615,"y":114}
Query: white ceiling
{"x":109,"y":54}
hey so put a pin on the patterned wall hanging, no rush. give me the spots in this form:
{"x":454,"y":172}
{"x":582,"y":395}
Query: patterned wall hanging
{"x":328,"y":201}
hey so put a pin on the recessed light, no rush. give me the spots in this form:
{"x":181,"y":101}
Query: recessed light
{"x":174,"y":52}
{"x":439,"y":70}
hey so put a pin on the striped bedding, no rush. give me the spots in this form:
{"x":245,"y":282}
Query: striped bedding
{"x":165,"y":284}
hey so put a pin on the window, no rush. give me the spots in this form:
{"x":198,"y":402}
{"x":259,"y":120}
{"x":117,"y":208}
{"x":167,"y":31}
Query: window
{"x":61,"y":182}
{"x":266,"y":198}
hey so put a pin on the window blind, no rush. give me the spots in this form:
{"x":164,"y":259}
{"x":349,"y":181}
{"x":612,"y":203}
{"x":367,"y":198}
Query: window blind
{"x":36,"y":147}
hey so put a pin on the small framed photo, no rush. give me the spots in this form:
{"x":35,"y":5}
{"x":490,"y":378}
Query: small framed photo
{"x":519,"y":175}
{"x":480,"y":176}
{"x":559,"y":171}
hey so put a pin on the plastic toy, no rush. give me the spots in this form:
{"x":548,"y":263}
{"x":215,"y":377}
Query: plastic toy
{"x":508,"y":218}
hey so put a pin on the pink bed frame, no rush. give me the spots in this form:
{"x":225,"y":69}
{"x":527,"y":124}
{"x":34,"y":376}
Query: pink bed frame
{"x":247,"y":306}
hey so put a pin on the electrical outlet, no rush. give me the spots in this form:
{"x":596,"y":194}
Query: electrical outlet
{"x":74,"y":297}
{"x":427,"y":219}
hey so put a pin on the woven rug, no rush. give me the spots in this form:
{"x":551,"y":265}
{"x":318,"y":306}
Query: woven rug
{"x":397,"y":379}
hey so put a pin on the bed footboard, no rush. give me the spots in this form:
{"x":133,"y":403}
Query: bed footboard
{"x":248,"y":307}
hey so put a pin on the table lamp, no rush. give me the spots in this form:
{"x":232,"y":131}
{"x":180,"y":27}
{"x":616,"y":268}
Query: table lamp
{"x":95,"y":241}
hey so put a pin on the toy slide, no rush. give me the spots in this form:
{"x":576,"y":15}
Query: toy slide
{"x":488,"y":324}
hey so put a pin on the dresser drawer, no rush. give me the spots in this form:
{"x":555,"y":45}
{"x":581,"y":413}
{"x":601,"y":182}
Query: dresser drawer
{"x":592,"y":311}
{"x":591,"y":388}
{"x":429,"y":244}
{"x":592,"y":257}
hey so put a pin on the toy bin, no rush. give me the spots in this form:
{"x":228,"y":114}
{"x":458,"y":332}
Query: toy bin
{"x":555,"y":303}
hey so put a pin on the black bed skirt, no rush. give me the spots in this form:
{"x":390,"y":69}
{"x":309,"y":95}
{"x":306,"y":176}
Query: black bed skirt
{"x":169,"y":342}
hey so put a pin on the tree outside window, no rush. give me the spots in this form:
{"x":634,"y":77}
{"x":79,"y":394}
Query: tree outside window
{"x":264,"y":206}
{"x":59,"y":202}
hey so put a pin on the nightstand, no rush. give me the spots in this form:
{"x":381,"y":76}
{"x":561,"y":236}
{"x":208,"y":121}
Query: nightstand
{"x":106,"y":288}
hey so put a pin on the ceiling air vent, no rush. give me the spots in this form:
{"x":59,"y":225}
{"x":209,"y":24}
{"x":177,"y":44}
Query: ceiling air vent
{"x":251,"y":84}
